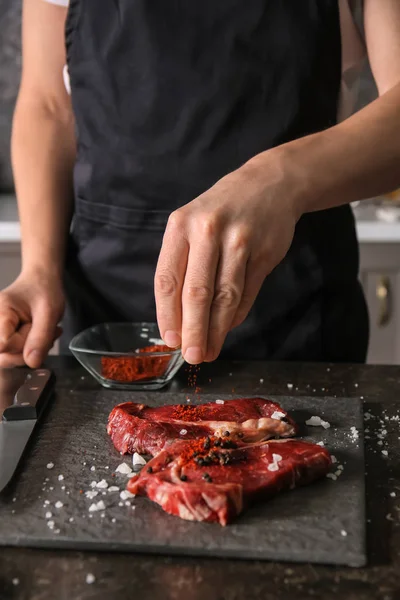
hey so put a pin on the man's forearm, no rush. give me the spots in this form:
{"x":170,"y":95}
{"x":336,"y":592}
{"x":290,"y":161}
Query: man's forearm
{"x":43,"y":151}
{"x":356,"y":159}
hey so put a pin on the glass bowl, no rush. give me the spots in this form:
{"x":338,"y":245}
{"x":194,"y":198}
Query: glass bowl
{"x":126,"y":356}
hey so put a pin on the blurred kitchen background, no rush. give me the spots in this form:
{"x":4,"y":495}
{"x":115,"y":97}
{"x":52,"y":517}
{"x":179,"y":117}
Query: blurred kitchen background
{"x":378,"y":219}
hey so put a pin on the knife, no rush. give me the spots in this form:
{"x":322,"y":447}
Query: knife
{"x":23,"y":397}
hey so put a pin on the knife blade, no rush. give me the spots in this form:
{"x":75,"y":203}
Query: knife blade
{"x":23,"y":397}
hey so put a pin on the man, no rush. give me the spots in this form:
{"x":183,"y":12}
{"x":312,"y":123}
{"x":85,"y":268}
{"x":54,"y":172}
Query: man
{"x":206,"y":151}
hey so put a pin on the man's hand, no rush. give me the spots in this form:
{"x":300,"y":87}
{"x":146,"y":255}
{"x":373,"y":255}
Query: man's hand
{"x":217,"y":251}
{"x":30,"y":309}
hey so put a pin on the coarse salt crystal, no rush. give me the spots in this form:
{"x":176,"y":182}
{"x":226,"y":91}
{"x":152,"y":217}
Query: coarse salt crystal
{"x":334,"y":459}
{"x":48,"y":515}
{"x":46,"y":502}
{"x":273,"y":467}
{"x":102,"y":484}
{"x":71,"y":519}
{"x":385,"y":452}
{"x":91,"y":494}
{"x":50,"y":465}
{"x":320,"y":444}
{"x":103,"y":515}
{"x":183,"y":432}
{"x":90,"y":578}
{"x":356,"y":385}
{"x":51,"y":488}
{"x":59,"y":504}
{"x":261,"y":380}
{"x":278,"y":415}
{"x":124,"y":495}
{"x":338,"y":472}
{"x":93,"y":468}
{"x":290,"y":386}
{"x":60,"y":477}
{"x":15,"y":581}
{"x":219,"y":401}
{"x":137,"y":460}
{"x":354,"y":433}
{"x":343,"y":533}
{"x":393,"y":494}
{"x":120,"y":504}
{"x":97,"y":506}
{"x":113,"y":488}
{"x":50,"y":524}
{"x":93,"y":484}
{"x":380,"y":443}
{"x":332,"y":476}
{"x":276,"y":457}
{"x":127,"y":503}
{"x":318,"y":422}
{"x":113,"y":520}
{"x":124,"y":469}
{"x":63,"y":487}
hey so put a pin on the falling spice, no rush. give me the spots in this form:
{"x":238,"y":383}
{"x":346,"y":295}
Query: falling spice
{"x":136,"y":368}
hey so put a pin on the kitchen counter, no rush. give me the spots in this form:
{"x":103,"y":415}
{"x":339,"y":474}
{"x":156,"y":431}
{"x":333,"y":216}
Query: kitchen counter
{"x":59,"y":575}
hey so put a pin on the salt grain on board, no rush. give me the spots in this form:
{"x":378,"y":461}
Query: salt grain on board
{"x":393,"y":494}
{"x":385,"y":452}
{"x":48,"y":515}
{"x":343,"y":533}
{"x":124,"y":469}
{"x":219,"y":401}
{"x":15,"y":581}
{"x":102,"y":484}
{"x":261,"y":380}
{"x":59,"y":504}
{"x":50,"y":524}
{"x":90,"y":578}
{"x":138,"y":460}
{"x":318,"y":422}
{"x":290,"y":386}
{"x":93,"y":468}
{"x":50,"y":465}
{"x":332,"y":476}
{"x":124,"y":495}
{"x":113,"y":488}
{"x":91,"y":494}
{"x":60,"y":477}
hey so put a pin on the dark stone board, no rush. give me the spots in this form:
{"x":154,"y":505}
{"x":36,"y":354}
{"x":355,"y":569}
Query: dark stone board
{"x":321,"y":523}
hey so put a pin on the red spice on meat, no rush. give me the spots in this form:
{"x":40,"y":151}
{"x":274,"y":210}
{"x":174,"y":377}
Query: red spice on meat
{"x":185,"y":412}
{"x":136,"y":368}
{"x":206,"y":451}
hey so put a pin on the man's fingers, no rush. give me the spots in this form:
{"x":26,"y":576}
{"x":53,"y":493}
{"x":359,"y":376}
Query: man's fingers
{"x":228,"y":293}
{"x":198,"y":292}
{"x":168,"y":281}
{"x":9,"y":360}
{"x":9,"y":322}
{"x":41,"y":335}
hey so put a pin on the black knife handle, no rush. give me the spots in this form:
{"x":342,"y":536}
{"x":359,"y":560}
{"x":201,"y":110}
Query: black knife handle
{"x":31,"y":397}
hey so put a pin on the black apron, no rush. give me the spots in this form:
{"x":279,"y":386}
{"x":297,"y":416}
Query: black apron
{"x":171,"y":95}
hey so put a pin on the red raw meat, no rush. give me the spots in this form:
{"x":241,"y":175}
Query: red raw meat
{"x":140,"y":428}
{"x":200,"y":481}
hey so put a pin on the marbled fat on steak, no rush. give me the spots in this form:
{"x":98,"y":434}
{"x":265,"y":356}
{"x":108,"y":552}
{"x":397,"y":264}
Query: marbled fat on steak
{"x":140,"y":428}
{"x":203,"y":481}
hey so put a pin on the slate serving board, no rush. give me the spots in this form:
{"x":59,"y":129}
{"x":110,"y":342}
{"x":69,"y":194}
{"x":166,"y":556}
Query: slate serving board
{"x":322,"y":523}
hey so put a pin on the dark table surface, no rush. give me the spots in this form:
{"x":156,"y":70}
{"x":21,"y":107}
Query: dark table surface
{"x":56,"y":575}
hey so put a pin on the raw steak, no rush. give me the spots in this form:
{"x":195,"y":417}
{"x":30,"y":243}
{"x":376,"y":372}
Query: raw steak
{"x":213,"y":480}
{"x":140,"y":428}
